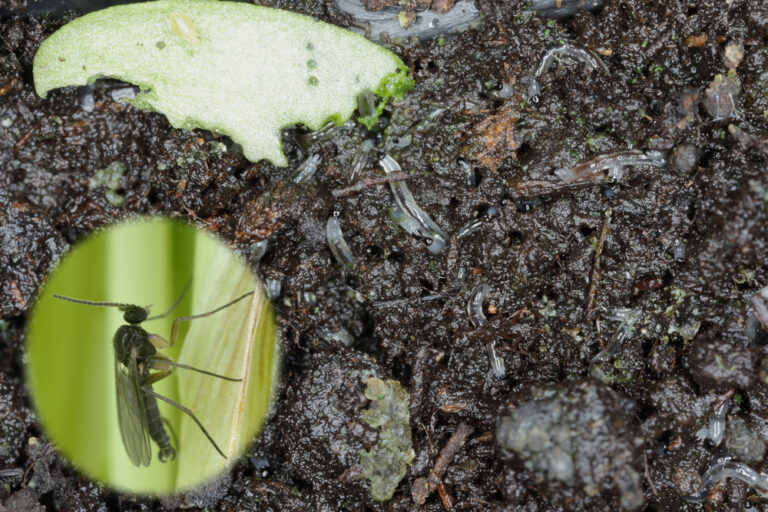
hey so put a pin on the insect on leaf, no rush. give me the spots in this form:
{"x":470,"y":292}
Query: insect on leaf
{"x":235,"y":68}
{"x":239,"y":342}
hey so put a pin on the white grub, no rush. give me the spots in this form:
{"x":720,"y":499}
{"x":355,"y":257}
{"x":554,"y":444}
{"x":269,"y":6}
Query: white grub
{"x":360,"y":159}
{"x":469,"y":228}
{"x":338,"y":245}
{"x":341,"y":335}
{"x":720,"y":97}
{"x":475,"y":305}
{"x":398,"y":143}
{"x":568,"y":54}
{"x":435,"y":236}
{"x":497,"y":363}
{"x":408,"y":223}
{"x":615,"y":173}
{"x":627,"y":319}
{"x":476,"y":224}
{"x":183,"y":27}
{"x":613,"y":163}
{"x":258,"y":249}
{"x":469,"y":173}
{"x":715,"y":429}
{"x":429,"y":120}
{"x":730,"y":469}
{"x":306,"y":169}
{"x":87,"y":101}
{"x":274,"y":288}
{"x":308,"y":298}
{"x":325,"y":133}
{"x":760,"y":305}
{"x":678,"y":250}
{"x":534,"y":90}
{"x":502,"y":93}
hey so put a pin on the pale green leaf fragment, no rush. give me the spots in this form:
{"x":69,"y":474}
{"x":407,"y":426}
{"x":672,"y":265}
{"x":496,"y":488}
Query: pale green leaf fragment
{"x":241,"y":343}
{"x":386,"y":463}
{"x":238,"y":69}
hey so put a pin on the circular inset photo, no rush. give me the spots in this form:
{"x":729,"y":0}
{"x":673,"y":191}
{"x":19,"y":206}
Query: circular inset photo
{"x":152,"y":356}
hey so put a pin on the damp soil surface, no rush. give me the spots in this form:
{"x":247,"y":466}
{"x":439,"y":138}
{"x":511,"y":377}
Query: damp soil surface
{"x":659,"y":266}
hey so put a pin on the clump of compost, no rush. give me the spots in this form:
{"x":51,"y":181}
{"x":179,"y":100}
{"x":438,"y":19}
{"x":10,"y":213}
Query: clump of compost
{"x":575,"y":440}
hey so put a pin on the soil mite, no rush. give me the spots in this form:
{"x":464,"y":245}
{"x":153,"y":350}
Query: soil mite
{"x":135,"y":355}
{"x":183,"y":27}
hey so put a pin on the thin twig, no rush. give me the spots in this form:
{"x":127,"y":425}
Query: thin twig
{"x":594,"y":280}
{"x":365,"y":183}
{"x":445,"y":496}
{"x":538,"y":188}
{"x":648,"y":475}
{"x":23,"y":140}
{"x":381,"y":304}
{"x":429,"y":439}
{"x":423,"y":487}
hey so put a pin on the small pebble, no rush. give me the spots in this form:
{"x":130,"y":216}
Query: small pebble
{"x":733,"y":56}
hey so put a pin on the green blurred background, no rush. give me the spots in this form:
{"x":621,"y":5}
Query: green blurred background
{"x":70,"y":360}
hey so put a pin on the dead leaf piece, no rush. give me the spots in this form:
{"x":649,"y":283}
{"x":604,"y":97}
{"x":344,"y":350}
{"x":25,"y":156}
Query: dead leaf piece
{"x":453,"y":408}
{"x":494,"y":139}
{"x":265,"y":215}
{"x":442,"y":6}
{"x":696,"y":41}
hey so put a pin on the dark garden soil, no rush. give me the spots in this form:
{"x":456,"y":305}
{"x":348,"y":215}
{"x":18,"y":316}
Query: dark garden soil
{"x":683,"y":246}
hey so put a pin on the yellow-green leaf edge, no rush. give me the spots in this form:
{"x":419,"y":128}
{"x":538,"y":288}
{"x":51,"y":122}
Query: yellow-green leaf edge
{"x":245,"y":71}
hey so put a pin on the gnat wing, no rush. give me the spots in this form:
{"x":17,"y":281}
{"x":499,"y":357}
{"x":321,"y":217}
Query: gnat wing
{"x":131,"y":414}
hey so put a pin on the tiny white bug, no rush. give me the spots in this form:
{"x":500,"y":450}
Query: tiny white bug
{"x":183,"y":27}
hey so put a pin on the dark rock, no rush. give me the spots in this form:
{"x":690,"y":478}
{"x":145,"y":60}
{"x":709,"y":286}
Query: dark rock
{"x":743,"y":442}
{"x":676,"y":397}
{"x":576,"y":439}
{"x":684,"y":157}
{"x":26,"y":500}
{"x":662,"y":358}
{"x":722,"y":362}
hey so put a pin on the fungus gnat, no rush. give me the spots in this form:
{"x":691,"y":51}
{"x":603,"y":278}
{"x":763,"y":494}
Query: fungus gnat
{"x":135,"y":356}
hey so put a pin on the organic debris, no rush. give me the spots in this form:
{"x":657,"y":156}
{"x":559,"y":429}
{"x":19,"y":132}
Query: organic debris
{"x":492,"y":140}
{"x":385,"y":464}
{"x":424,"y":486}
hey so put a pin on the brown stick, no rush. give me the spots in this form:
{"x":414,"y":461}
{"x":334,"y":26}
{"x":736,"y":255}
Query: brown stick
{"x":539,"y":188}
{"x":22,"y":141}
{"x":365,"y":183}
{"x":446,"y":497}
{"x":648,"y":475}
{"x":7,"y":87}
{"x":423,"y":487}
{"x":594,"y":280}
